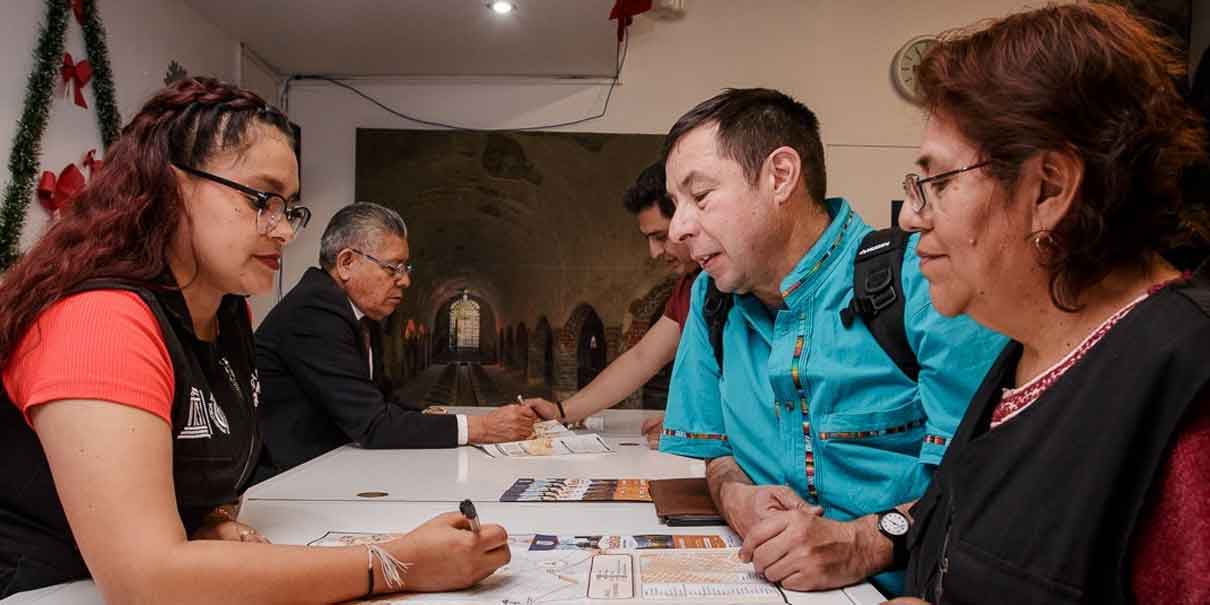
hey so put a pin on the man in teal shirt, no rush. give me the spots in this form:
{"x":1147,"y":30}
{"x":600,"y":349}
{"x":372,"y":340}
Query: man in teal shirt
{"x":814,"y":412}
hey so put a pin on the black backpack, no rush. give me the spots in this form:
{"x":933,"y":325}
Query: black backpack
{"x":877,"y":299}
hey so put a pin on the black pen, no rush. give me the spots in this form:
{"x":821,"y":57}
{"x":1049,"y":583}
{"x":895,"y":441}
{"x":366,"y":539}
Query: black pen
{"x":468,"y":510}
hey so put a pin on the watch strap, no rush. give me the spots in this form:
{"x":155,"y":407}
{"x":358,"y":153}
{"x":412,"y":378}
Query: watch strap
{"x":899,"y":549}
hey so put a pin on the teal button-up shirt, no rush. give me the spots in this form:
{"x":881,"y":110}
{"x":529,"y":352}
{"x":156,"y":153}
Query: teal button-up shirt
{"x":804,"y":401}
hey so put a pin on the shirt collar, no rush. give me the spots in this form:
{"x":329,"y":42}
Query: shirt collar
{"x":822,"y":254}
{"x":357,"y":314}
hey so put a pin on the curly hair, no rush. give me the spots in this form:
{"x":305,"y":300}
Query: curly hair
{"x":1095,"y":80}
{"x":121,"y":224}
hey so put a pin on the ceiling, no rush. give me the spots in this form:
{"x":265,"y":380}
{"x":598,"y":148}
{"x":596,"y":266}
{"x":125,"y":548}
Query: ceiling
{"x":422,"y":37}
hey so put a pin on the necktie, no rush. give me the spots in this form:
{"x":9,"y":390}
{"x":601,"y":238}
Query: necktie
{"x":364,"y":328}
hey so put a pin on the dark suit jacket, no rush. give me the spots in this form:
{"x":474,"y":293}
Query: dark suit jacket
{"x":316,"y":390}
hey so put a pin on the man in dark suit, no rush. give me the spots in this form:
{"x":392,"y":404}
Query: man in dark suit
{"x":318,"y":361}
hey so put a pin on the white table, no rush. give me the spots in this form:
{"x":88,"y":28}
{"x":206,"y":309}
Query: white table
{"x":442,"y":475}
{"x":303,"y":504}
{"x":467,"y":472}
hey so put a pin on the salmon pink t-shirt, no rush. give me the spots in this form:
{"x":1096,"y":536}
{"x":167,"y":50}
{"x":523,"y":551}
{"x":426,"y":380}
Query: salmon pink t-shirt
{"x":101,"y":344}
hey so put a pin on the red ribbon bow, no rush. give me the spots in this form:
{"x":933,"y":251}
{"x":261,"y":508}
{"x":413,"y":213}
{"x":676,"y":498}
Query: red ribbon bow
{"x":77,"y":73}
{"x":77,"y":7}
{"x":54,"y":192}
{"x":624,"y":11}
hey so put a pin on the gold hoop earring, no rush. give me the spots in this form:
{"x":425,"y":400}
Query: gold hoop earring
{"x":1042,"y":239}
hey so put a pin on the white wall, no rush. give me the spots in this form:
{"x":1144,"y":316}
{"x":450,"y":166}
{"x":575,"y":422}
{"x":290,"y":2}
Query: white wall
{"x":834,"y":55}
{"x":143,"y":37}
{"x":258,"y":76}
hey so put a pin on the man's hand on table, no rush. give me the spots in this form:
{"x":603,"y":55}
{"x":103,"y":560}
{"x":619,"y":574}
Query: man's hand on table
{"x":744,"y":505}
{"x":506,"y":423}
{"x":802,"y":550}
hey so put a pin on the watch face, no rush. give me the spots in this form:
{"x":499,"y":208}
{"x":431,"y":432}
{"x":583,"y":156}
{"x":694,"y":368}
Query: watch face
{"x":894,"y":523}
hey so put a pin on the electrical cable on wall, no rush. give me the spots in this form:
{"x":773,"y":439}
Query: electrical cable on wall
{"x":621,"y":61}
{"x":284,"y":104}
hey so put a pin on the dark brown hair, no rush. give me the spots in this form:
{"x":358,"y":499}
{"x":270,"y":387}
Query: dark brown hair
{"x":1091,"y":79}
{"x":121,"y":224}
{"x":649,"y":190}
{"x":752,"y":122}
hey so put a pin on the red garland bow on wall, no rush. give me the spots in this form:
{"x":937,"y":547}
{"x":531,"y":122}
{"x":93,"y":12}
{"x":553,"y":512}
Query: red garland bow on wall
{"x":78,"y":74}
{"x":54,"y":192}
{"x":624,"y":11}
{"x":77,"y":7}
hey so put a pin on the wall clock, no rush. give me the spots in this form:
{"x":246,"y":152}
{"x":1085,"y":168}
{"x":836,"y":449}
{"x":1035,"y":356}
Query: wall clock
{"x":903,"y":68}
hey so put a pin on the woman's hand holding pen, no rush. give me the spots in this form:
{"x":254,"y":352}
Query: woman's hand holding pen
{"x":446,"y":555}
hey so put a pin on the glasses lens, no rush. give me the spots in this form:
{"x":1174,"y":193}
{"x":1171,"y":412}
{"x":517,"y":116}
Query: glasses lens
{"x":911,"y":189}
{"x":298,"y":217}
{"x":275,"y":207}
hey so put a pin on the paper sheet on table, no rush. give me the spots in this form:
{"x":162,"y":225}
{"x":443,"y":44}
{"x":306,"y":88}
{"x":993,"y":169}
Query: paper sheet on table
{"x":586,"y":573}
{"x":551,"y":428}
{"x":548,"y":446}
{"x":723,"y":538}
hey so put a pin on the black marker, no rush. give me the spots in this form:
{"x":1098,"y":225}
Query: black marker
{"x":468,"y":510}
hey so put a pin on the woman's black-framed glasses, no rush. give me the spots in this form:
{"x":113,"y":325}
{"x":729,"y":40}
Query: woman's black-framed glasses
{"x":270,"y":207}
{"x":913,"y":186}
{"x":394,"y":270}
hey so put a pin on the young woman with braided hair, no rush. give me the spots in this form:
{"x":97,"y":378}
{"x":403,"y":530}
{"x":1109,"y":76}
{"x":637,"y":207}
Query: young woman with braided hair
{"x":129,"y":400}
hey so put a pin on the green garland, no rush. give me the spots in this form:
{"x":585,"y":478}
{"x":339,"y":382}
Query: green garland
{"x":108,"y":118}
{"x":39,"y":93}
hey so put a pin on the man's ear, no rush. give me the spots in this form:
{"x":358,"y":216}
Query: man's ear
{"x":1059,"y":176}
{"x":783,"y":170}
{"x":344,"y":264}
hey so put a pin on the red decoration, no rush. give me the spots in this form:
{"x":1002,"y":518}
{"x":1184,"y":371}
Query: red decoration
{"x":78,"y":74}
{"x":54,"y":192}
{"x":92,"y":163}
{"x":77,"y":7}
{"x":624,"y":11}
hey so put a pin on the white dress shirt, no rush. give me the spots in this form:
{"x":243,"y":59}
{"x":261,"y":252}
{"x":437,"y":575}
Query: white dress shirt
{"x":463,"y":429}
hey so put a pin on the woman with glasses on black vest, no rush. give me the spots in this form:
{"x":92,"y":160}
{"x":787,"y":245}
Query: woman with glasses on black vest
{"x":129,"y":401}
{"x":1048,"y":203}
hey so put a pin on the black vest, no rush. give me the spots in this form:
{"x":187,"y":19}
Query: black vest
{"x":1043,"y":508}
{"x":214,"y":437}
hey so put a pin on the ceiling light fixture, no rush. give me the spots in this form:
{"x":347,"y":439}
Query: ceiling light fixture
{"x":501,"y":7}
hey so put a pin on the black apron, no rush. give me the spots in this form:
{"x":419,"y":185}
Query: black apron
{"x":1043,"y":508}
{"x":214,"y":436}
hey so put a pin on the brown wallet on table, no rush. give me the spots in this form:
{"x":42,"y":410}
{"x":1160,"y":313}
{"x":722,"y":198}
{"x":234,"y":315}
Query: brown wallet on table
{"x":680,"y":502}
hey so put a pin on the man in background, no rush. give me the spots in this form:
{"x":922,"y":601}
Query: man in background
{"x":320,"y":357}
{"x":648,"y":200}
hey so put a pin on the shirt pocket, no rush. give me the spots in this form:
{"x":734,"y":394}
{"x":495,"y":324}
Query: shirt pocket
{"x":977,"y":576}
{"x":873,"y":457}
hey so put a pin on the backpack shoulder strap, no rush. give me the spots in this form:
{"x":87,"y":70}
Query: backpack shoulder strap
{"x":717,"y":307}
{"x":878,"y":295}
